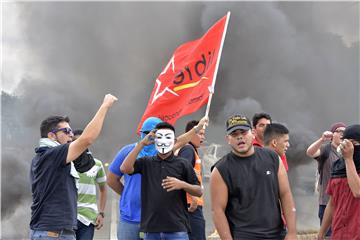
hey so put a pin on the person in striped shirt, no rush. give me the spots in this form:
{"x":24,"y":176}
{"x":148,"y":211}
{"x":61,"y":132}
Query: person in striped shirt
{"x":90,"y":214}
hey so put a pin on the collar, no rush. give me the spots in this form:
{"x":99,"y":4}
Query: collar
{"x":193,"y":146}
{"x":47,"y":142}
{"x":257,"y":143}
{"x":169,"y":158}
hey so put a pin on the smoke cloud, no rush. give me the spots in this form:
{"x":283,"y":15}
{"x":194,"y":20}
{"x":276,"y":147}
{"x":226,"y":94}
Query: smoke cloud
{"x":294,"y":60}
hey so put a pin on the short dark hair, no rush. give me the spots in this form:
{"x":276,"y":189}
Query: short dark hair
{"x":51,"y":123}
{"x":258,"y":116}
{"x":274,"y":130}
{"x":190,"y":125}
{"x":78,"y":132}
{"x":164,"y":125}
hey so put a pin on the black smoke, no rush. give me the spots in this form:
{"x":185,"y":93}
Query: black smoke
{"x":286,"y":58}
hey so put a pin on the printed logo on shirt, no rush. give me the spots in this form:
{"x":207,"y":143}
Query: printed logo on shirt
{"x":268,"y":172}
{"x":92,"y":172}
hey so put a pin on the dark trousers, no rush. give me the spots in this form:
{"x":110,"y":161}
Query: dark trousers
{"x":84,"y":232}
{"x":321,"y":215}
{"x":197,"y":223}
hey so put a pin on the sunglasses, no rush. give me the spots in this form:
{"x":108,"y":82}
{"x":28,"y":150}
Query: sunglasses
{"x":66,"y":130}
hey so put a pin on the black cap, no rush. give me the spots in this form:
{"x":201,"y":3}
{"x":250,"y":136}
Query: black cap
{"x":237,"y":122}
{"x":352,"y":132}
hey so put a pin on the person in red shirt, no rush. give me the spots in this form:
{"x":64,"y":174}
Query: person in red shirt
{"x":259,"y":122}
{"x":276,"y":137}
{"x":343,"y":208}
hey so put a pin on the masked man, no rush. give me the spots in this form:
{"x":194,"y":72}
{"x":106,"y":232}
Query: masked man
{"x":343,"y":208}
{"x":165,"y":180}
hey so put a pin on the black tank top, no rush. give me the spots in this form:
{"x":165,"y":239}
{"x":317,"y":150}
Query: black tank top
{"x":253,"y":209}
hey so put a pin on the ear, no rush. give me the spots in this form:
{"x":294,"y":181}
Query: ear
{"x":273,"y":142}
{"x":227,"y":139}
{"x":51,"y":136}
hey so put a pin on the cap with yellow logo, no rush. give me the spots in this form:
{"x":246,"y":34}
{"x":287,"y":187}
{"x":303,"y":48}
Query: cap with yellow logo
{"x":237,"y":122}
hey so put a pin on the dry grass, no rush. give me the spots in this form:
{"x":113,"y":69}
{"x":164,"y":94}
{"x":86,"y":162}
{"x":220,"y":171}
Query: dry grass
{"x":303,"y":235}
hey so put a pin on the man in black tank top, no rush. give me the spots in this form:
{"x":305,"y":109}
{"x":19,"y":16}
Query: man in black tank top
{"x":249,"y":186}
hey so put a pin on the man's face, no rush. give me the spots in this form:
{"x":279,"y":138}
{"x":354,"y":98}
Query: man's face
{"x":62,"y":134}
{"x":337,"y":135}
{"x":260,"y":128}
{"x":198,"y":138}
{"x":281,"y":144}
{"x":164,"y":140}
{"x":241,"y":142}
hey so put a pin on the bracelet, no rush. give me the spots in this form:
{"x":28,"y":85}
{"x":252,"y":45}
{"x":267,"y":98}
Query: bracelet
{"x":102,"y":214}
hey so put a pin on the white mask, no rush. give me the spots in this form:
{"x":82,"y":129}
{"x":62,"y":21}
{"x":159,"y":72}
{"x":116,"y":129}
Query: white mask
{"x":164,"y":140}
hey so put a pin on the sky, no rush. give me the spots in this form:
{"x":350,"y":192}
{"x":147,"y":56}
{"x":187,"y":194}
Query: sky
{"x":298,"y":61}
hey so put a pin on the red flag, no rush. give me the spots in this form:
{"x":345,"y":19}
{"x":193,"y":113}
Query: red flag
{"x":183,"y":86}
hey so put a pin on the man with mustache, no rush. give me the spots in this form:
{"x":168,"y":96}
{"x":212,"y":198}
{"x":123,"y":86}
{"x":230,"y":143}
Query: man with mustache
{"x":247,"y":187}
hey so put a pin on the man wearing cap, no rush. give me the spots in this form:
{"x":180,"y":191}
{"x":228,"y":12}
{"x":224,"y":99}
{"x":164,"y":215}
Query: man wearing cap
{"x":130,"y":200}
{"x":247,"y":187}
{"x":343,"y":208}
{"x":324,"y":152}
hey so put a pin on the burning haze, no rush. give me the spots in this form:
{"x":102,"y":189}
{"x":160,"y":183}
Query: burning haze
{"x":297,"y":61}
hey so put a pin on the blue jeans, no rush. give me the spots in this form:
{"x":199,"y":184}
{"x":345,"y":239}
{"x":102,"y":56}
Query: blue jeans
{"x":128,"y":231}
{"x":197,"y":223}
{"x":84,"y":232}
{"x":321,"y":215}
{"x":52,"y":235}
{"x":167,"y":236}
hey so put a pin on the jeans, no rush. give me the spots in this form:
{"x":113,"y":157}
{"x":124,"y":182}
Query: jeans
{"x":167,"y":236}
{"x":84,"y":232}
{"x":197,"y":223}
{"x":321,"y":215}
{"x":128,"y":231}
{"x":51,"y":235}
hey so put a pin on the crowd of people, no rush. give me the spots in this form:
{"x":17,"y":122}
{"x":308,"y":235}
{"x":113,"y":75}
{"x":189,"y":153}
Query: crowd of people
{"x":160,"y":186}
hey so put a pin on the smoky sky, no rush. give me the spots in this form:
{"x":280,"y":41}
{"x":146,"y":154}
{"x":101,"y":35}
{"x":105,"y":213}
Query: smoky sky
{"x":281,"y":58}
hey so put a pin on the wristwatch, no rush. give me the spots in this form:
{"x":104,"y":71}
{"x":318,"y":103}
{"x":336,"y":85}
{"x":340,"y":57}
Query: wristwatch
{"x":102,"y":214}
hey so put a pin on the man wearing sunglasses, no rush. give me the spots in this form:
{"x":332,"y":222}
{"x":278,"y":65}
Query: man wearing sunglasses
{"x":52,"y":175}
{"x":343,"y":208}
{"x":323,"y":150}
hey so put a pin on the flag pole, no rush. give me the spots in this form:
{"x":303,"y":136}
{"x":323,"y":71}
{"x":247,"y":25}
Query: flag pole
{"x":212,"y":87}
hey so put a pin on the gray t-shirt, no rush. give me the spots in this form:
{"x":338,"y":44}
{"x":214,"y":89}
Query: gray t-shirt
{"x":326,"y":174}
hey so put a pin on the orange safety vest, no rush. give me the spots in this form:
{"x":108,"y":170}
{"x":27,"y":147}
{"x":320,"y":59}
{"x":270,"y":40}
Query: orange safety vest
{"x":197,"y":168}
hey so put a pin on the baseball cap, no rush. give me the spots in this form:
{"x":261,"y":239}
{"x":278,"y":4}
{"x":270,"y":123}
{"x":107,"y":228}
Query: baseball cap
{"x":237,"y":122}
{"x":352,"y":132}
